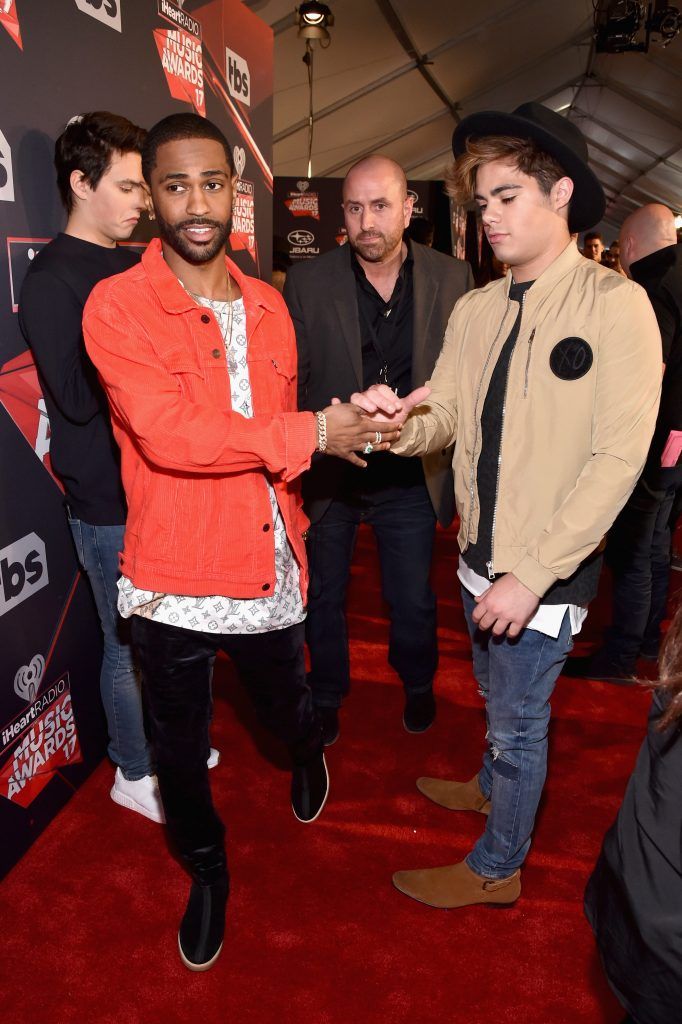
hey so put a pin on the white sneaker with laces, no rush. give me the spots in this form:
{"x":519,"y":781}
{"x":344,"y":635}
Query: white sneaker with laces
{"x":213,"y":758}
{"x":142,"y":796}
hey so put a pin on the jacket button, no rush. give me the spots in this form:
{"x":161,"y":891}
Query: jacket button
{"x":266,"y":586}
{"x":266,"y":527}
{"x":205,"y":318}
{"x":216,"y":353}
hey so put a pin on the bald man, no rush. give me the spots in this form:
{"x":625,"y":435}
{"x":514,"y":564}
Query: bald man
{"x":639,"y":543}
{"x":374,"y":311}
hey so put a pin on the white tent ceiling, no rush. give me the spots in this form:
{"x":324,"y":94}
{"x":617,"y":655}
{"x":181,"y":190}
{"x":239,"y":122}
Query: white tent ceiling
{"x":399,"y":73}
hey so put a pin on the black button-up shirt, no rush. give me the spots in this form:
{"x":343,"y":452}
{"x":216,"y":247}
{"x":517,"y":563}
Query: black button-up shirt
{"x":387,"y":332}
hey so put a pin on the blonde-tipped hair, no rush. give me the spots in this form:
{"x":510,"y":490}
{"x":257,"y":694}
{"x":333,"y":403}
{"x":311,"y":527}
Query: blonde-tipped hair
{"x":526,"y":155}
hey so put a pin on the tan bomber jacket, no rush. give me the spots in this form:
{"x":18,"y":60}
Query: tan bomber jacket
{"x":582,"y":395}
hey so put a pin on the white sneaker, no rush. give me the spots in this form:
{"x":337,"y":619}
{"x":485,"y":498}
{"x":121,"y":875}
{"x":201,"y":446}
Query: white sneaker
{"x":213,"y":758}
{"x":142,"y":796}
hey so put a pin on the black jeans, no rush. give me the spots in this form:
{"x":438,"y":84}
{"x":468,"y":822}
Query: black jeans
{"x":176,"y":668}
{"x":638,"y":552}
{"x":404,"y":524}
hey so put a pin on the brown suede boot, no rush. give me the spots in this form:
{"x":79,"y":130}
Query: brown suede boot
{"x":457,"y":886}
{"x":456,"y":796}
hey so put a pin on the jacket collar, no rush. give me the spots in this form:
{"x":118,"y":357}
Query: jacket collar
{"x":655,"y":264}
{"x":174,"y":298}
{"x":564,"y":264}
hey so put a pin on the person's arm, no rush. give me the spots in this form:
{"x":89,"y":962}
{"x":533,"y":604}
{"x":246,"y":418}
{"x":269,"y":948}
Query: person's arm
{"x":432,"y":424}
{"x":50,"y":316}
{"x":175,"y":433}
{"x":293,"y":302}
{"x":627,"y":394}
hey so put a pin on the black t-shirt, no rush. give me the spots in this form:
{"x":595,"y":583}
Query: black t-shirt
{"x":83,"y":452}
{"x":479,"y":554}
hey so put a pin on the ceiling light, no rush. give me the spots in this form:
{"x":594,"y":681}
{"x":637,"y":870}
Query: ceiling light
{"x":313,"y":20}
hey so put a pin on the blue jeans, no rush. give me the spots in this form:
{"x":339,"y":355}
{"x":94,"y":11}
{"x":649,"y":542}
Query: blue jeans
{"x":404,"y":524}
{"x":638,"y":553}
{"x":97,"y":548}
{"x":517,"y":678}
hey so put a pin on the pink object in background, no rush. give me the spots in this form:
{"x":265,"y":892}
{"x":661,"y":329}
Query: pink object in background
{"x":673,"y":447}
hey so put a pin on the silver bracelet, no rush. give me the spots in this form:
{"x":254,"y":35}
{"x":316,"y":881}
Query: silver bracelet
{"x":321,"y":431}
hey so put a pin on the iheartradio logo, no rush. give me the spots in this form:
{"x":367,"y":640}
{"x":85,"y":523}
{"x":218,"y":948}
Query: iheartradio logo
{"x":239,"y":155}
{"x":28,"y":678}
{"x":302,"y":186}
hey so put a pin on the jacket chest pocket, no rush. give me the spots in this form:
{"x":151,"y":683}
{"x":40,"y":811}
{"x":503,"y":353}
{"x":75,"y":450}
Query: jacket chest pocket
{"x":273,"y":382}
{"x":189,"y":377}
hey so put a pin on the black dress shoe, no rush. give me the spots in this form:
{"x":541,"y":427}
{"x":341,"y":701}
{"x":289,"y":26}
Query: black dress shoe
{"x":202,"y":928}
{"x":420,"y":711}
{"x":309,"y":788}
{"x":330,"y":725}
{"x":597,"y":666}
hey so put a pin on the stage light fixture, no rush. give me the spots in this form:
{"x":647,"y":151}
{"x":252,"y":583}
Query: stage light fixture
{"x":627,"y":26}
{"x":313,"y":20}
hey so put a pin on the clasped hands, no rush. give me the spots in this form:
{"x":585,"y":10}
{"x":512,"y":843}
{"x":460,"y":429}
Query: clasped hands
{"x":370,"y":422}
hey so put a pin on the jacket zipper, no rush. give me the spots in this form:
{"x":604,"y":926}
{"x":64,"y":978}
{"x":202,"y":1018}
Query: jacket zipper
{"x":525,"y":379}
{"x":489,"y":565}
{"x":478,"y":395}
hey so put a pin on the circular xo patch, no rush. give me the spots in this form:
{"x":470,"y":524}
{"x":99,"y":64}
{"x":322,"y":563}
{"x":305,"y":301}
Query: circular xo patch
{"x":571,"y":359}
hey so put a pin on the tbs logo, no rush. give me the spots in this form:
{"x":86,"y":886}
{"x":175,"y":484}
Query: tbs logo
{"x":106,"y":11}
{"x":6,"y":176}
{"x":238,"y":77}
{"x":23,"y":571}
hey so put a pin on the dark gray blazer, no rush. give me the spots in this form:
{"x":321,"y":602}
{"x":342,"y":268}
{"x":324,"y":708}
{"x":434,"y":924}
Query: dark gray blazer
{"x":322,"y":300}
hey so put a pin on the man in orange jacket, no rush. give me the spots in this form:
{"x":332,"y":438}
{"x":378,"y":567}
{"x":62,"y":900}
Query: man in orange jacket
{"x":199,"y":365}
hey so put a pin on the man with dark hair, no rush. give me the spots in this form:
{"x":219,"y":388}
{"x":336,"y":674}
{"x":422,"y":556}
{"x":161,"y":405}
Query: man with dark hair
{"x":593,"y":246}
{"x":374,"y":310}
{"x":199,"y":365}
{"x":549,"y":383}
{"x":97,"y":159}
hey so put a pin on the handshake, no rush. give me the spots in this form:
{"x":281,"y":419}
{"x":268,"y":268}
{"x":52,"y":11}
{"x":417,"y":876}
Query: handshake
{"x":370,"y":422}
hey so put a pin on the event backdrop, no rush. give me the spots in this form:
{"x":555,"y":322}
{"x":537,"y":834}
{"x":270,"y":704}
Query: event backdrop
{"x":144,"y":59}
{"x":308,"y":219}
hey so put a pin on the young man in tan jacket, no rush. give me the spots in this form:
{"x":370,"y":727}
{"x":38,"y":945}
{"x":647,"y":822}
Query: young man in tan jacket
{"x":549,"y":383}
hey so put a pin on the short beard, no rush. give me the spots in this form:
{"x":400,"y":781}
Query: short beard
{"x":379,"y":249}
{"x":196,"y":254}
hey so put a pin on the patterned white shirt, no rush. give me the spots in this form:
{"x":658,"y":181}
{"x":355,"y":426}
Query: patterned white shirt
{"x":221,"y":614}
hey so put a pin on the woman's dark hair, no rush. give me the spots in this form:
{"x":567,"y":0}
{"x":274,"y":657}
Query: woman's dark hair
{"x":88,"y":144}
{"x":670,"y":665}
{"x":180,"y":126}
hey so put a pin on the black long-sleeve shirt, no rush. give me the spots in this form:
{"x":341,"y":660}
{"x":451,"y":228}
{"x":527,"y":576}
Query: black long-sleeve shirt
{"x":83,"y":452}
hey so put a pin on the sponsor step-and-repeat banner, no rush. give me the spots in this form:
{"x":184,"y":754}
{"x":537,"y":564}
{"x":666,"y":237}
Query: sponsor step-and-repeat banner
{"x":308,"y":219}
{"x":58,"y":58}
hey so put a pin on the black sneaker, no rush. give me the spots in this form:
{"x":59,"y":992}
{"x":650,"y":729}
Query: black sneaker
{"x":330,"y":725}
{"x":202,"y":928}
{"x":420,"y":711}
{"x":309,"y":788}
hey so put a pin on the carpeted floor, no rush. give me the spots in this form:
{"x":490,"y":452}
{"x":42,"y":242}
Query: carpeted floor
{"x":316,"y":933}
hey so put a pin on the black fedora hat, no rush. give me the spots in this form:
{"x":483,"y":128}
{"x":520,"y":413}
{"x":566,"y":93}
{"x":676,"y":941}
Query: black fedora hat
{"x":556,"y":136}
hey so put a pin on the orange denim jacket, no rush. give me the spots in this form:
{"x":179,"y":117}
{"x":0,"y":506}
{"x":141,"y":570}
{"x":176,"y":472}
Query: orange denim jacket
{"x":194,"y":472}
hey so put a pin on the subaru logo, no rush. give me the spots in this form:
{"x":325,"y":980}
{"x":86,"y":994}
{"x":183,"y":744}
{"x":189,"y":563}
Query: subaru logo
{"x":301,"y":237}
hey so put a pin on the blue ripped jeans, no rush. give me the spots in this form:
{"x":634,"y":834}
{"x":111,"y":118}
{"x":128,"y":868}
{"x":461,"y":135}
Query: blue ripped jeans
{"x":517,"y":678}
{"x":97,"y":548}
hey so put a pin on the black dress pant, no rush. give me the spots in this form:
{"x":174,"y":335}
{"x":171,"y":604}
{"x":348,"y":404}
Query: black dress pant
{"x":404,"y":524}
{"x":176,"y":666}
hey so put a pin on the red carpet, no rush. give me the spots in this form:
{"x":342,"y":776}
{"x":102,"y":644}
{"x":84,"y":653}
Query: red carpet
{"x":316,"y":932}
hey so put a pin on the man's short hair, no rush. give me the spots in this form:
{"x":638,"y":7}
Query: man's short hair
{"x":592,"y":235}
{"x":525,"y":154}
{"x":88,"y":144}
{"x":180,"y":126}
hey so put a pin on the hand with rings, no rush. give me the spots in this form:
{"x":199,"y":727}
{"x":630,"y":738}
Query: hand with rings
{"x":350,"y":430}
